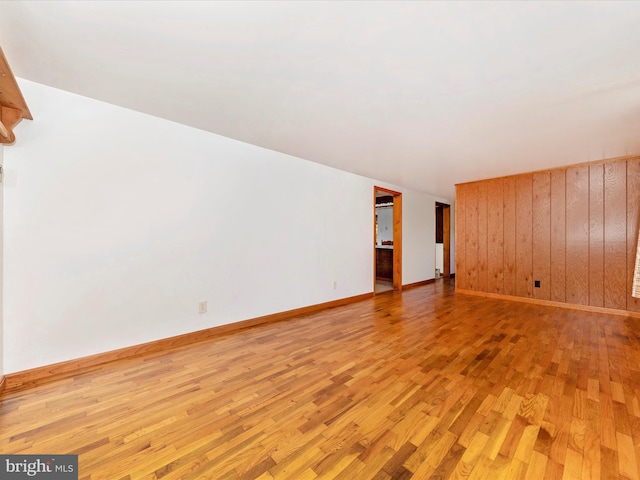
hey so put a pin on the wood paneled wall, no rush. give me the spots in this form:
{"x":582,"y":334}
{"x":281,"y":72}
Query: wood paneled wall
{"x":573,"y":229}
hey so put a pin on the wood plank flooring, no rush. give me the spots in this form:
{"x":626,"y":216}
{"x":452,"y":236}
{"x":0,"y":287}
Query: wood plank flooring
{"x":423,"y":384}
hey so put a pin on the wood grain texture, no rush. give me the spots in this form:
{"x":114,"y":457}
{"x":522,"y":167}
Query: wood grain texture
{"x":39,"y":375}
{"x":509,"y":235}
{"x":421,"y":283}
{"x":9,"y":118}
{"x":397,"y":241}
{"x":577,"y":267}
{"x":495,"y":233}
{"x":542,"y":234}
{"x":551,"y":303}
{"x":633,"y":224}
{"x":446,"y":241}
{"x":471,"y":235}
{"x":615,"y":235}
{"x":417,"y":384}
{"x":13,"y":107}
{"x":596,"y":235}
{"x":574,"y":229}
{"x":558,"y":235}
{"x":375,"y":240}
{"x":483,"y":239}
{"x":460,"y":236}
{"x":10,"y":94}
{"x":524,"y":235}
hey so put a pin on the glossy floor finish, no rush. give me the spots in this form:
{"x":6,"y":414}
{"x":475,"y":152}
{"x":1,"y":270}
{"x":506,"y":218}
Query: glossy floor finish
{"x":421,"y":384}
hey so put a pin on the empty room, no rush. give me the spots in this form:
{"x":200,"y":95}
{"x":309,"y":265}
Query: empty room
{"x":319,"y":240}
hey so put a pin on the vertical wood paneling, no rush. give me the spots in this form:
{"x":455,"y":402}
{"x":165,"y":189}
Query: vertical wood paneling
{"x":596,"y":235}
{"x":524,"y":235}
{"x":615,"y":235}
{"x":573,"y":229}
{"x":461,"y":275}
{"x":558,"y":238}
{"x":633,"y":210}
{"x":577,"y":268}
{"x":509,"y":212}
{"x":471,"y":235}
{"x":542,"y":234}
{"x":482,"y":237}
{"x":495,"y":231}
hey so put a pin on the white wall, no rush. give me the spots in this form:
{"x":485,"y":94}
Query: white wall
{"x":118,"y":223}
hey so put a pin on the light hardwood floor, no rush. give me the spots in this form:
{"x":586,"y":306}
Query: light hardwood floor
{"x":421,"y":384}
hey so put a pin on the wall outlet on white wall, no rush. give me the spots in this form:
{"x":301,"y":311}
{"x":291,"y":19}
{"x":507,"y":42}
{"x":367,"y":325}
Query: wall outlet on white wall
{"x":335,"y":284}
{"x":202,"y":307}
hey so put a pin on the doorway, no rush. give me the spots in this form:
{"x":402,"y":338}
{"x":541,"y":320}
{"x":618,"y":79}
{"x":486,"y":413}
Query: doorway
{"x":387,"y":240}
{"x":443,"y":240}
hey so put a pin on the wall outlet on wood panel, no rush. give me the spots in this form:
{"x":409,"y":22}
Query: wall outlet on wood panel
{"x":536,"y":283}
{"x":202,"y":307}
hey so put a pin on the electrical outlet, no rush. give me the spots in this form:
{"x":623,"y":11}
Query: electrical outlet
{"x":536,"y":283}
{"x":202,"y":307}
{"x":335,"y":284}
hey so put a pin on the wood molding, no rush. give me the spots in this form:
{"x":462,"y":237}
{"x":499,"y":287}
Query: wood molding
{"x":13,"y":107}
{"x":550,"y":303}
{"x":3,"y":383}
{"x":409,"y":286}
{"x":418,"y":284}
{"x":29,"y":378}
{"x":397,"y":241}
{"x":397,"y":236}
{"x":9,"y":118}
{"x":446,"y":241}
{"x":408,"y":366}
{"x":392,"y":193}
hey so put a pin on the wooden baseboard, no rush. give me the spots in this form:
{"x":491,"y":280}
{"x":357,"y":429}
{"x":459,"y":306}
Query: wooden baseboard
{"x":3,"y":383}
{"x":418,"y":284}
{"x":28,"y":378}
{"x":550,"y":303}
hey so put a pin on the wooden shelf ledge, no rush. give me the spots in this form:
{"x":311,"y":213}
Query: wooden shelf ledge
{"x":13,"y":107}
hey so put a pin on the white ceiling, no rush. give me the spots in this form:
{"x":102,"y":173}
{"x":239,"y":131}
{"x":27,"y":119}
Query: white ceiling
{"x":419,"y":94}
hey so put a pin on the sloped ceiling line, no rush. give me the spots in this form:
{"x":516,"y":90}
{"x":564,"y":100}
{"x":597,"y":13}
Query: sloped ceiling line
{"x":421,"y":95}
